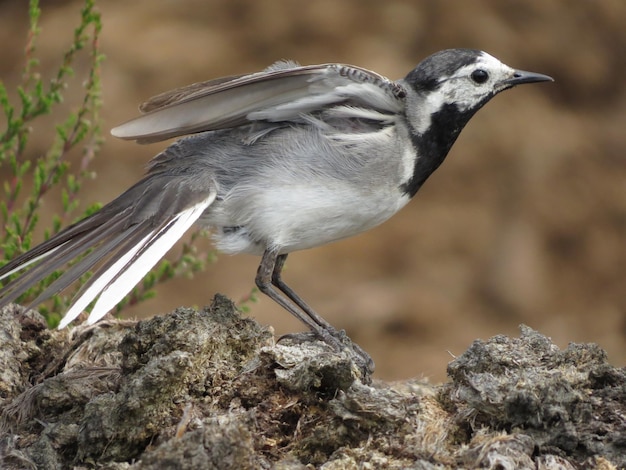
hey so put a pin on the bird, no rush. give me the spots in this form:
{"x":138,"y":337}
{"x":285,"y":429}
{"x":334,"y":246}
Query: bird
{"x":272,"y":162}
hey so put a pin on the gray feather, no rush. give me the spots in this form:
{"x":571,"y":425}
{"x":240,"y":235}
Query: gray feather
{"x":231,"y":102}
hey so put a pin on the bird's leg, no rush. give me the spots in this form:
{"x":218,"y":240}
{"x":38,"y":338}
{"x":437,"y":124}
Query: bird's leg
{"x":269,"y":281}
{"x":291,"y":294}
{"x":265,"y":282}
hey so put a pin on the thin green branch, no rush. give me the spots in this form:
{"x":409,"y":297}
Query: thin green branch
{"x":78,"y":130}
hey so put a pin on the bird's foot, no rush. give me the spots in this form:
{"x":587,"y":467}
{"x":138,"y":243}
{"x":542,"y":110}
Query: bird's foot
{"x":338,"y":340}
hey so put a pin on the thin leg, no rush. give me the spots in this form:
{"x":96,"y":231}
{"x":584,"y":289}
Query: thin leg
{"x":264,"y":281}
{"x":290,"y":293}
{"x":269,"y":281}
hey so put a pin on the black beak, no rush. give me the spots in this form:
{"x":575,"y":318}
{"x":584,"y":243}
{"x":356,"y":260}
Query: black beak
{"x":520,"y":77}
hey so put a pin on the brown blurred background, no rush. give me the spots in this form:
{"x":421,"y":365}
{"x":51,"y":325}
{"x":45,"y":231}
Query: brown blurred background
{"x":524,"y":223}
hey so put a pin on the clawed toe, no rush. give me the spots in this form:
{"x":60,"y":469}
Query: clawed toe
{"x":338,"y":340}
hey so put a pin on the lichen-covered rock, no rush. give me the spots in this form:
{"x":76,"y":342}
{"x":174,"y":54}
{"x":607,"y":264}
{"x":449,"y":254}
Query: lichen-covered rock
{"x":209,"y":390}
{"x":569,"y":401}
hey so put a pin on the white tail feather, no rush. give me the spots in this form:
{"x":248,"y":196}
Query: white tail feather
{"x":111,"y":290}
{"x":94,"y":289}
{"x":116,"y":290}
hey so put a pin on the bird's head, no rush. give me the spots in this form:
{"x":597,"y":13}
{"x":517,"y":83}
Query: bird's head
{"x":464,"y":79}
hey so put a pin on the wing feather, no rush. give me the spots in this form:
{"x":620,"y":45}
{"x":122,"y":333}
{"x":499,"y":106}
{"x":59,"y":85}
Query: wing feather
{"x":277,"y":94}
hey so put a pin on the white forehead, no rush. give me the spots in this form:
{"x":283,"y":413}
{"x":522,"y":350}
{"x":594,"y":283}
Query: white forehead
{"x":488,"y":63}
{"x":462,"y":90}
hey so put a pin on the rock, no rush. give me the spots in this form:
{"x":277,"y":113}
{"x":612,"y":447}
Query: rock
{"x":209,"y":389}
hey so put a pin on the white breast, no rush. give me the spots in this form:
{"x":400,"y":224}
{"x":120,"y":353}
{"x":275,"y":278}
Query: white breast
{"x":299,"y":205}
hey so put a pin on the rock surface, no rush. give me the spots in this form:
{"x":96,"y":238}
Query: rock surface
{"x":210,"y":389}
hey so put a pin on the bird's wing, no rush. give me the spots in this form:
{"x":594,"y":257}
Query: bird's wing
{"x":282,"y":92}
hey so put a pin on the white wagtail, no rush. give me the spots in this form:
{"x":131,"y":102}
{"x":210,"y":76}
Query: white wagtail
{"x":281,"y":160}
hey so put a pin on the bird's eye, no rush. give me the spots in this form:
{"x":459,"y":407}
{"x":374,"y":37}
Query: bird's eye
{"x":480,"y":76}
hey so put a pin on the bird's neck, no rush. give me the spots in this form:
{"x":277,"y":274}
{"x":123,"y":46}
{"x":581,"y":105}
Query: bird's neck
{"x":433,"y":144}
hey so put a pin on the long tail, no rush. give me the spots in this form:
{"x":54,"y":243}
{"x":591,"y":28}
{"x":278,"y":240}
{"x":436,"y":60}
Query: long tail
{"x":125,"y":239}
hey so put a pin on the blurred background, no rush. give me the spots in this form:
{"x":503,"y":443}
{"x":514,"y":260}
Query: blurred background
{"x":525,"y":222}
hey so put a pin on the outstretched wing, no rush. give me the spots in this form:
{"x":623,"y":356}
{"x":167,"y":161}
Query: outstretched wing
{"x":282,"y":92}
